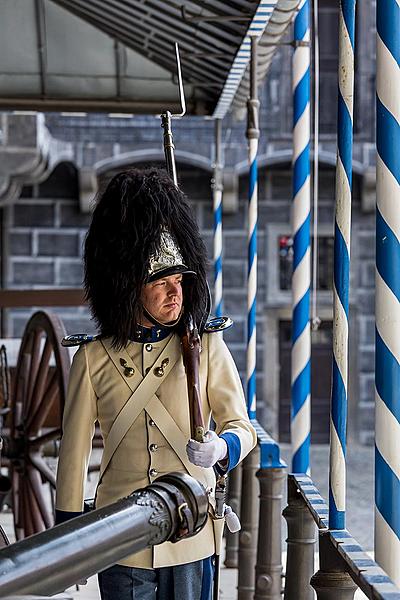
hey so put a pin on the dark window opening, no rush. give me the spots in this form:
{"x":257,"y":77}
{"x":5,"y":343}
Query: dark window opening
{"x":321,"y":366}
{"x":325,"y":262}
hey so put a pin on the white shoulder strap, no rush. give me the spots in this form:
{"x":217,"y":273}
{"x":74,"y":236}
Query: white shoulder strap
{"x":139,"y":400}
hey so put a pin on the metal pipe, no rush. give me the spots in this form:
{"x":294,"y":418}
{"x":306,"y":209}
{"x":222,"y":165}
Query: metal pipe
{"x":315,"y":320}
{"x":301,"y":280}
{"x":172,"y":507}
{"x":341,"y":283}
{"x":169,"y":146}
{"x":387,"y":307}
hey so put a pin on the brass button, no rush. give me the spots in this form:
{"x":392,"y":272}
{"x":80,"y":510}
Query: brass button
{"x":149,"y":347}
{"x":153,"y":447}
{"x":153,"y":472}
{"x":128,"y":371}
{"x":159,"y":371}
{"x":152,"y":423}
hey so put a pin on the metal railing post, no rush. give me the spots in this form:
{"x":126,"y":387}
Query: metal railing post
{"x":332,"y":581}
{"x":249,"y":520}
{"x":300,"y":546}
{"x":271,"y":476}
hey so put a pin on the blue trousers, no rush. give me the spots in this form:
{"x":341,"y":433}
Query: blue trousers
{"x":192,"y":581}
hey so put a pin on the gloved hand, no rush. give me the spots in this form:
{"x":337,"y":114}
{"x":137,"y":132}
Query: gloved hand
{"x":209,"y":452}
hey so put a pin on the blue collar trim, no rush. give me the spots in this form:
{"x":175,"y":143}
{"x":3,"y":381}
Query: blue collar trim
{"x":151,"y":334}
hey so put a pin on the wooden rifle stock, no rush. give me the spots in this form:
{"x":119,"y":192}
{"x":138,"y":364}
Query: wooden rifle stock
{"x":191,"y":346}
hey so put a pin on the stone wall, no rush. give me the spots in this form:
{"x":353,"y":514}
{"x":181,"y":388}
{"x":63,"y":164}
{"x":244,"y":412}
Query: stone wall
{"x":46,"y":231}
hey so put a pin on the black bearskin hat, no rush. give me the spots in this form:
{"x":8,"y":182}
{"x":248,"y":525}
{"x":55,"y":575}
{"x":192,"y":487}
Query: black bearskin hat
{"x":131,"y":214}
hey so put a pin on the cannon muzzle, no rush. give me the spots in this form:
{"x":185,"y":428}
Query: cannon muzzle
{"x":173,"y":507}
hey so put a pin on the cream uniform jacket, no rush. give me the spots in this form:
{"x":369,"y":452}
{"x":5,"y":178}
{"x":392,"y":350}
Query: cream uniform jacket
{"x":98,"y":389}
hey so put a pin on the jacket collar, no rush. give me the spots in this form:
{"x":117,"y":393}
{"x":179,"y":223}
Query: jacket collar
{"x":151,"y":334}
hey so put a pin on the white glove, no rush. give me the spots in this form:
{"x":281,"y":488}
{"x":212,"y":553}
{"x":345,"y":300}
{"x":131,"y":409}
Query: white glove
{"x":209,"y":452}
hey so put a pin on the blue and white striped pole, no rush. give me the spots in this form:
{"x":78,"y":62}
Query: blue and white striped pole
{"x":337,"y":472}
{"x":387,"y":307}
{"x":253,"y":134}
{"x":217,"y":206}
{"x":301,"y":335}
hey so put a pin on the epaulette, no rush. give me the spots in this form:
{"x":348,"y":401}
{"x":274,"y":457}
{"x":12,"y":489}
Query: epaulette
{"x":77,"y":339}
{"x":218,"y":324}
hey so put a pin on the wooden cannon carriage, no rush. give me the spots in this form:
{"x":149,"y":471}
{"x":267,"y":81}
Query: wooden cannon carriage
{"x":32,"y":423}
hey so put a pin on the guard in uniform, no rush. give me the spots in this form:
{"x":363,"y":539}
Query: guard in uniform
{"x":145,"y":271}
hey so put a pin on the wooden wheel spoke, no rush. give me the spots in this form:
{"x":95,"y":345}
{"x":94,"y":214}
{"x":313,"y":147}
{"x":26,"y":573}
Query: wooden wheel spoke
{"x":41,"y":376}
{"x":22,"y":523}
{"x":37,"y":488}
{"x":21,"y":388}
{"x":34,"y":367}
{"x":40,"y":464}
{"x":26,"y":516}
{"x":41,"y":440}
{"x":19,"y":519}
{"x":34,"y":510}
{"x":15,"y":496}
{"x":37,"y":419}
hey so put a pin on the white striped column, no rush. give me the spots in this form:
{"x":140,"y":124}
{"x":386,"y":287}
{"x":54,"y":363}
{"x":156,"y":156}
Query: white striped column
{"x":341,"y":279}
{"x":217,"y":208}
{"x":301,"y":336}
{"x":387,"y":307}
{"x":253,"y":134}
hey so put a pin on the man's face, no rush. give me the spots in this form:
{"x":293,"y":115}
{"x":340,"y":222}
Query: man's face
{"x":163,"y":298}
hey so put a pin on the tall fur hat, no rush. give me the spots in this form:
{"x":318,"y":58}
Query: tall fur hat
{"x":133,"y":216}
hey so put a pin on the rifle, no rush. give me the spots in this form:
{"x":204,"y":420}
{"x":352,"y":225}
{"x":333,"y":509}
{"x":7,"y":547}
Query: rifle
{"x":190,"y":338}
{"x":191,"y":347}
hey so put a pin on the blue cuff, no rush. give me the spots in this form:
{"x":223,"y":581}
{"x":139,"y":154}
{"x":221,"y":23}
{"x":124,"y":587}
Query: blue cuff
{"x":234,"y":449}
{"x":64,"y":515}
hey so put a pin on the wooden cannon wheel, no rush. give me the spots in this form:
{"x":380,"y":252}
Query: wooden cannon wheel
{"x":36,"y":415}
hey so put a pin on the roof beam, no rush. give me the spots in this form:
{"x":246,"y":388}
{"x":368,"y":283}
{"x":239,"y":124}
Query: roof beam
{"x":41,"y":43}
{"x":113,"y":27}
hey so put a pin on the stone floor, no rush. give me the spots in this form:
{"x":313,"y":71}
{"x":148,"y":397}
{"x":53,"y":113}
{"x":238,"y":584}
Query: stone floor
{"x":360,"y":510}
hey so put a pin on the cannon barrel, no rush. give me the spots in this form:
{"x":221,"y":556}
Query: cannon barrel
{"x":49,"y":562}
